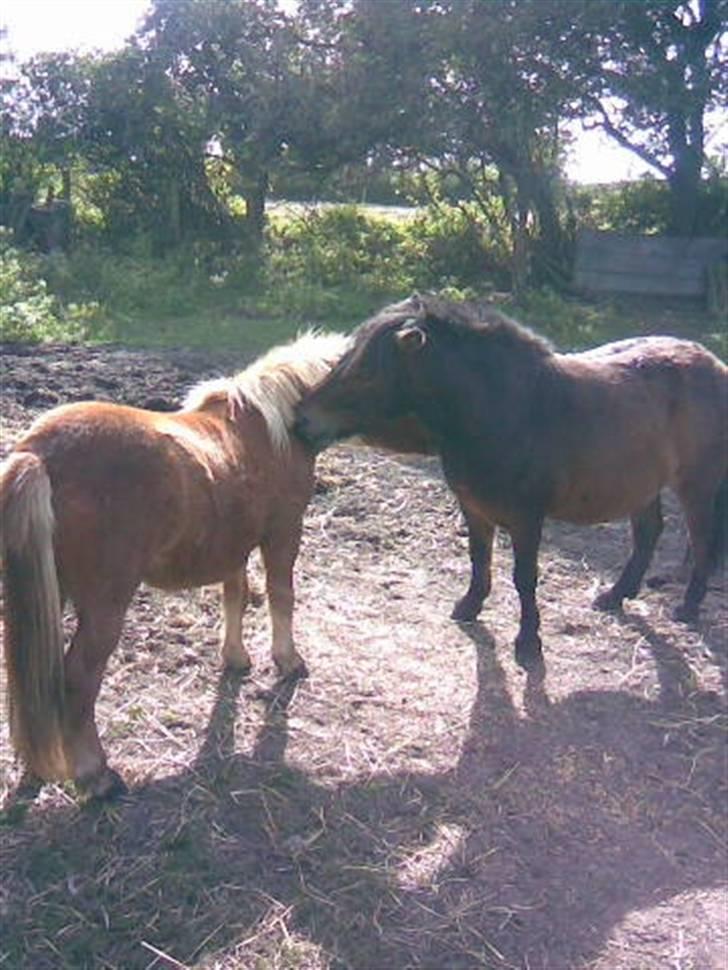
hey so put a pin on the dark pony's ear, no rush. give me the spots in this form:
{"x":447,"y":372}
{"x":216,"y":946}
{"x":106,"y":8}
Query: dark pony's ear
{"x":410,"y":337}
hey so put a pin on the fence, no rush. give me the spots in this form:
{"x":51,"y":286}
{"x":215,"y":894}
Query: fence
{"x":650,"y":265}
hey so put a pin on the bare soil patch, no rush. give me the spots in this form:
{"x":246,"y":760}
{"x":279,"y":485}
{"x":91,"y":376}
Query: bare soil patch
{"x":418,"y":801}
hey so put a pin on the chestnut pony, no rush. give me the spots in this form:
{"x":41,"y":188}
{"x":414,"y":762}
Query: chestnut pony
{"x":525,"y":433}
{"x":98,"y":498}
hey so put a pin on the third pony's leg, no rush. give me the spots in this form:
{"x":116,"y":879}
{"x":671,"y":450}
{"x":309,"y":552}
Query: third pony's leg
{"x":646,"y":529}
{"x":98,"y":631}
{"x":235,"y":596}
{"x":480,"y":546}
{"x":279,"y":549}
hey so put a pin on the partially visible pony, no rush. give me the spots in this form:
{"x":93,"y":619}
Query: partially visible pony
{"x":98,"y":498}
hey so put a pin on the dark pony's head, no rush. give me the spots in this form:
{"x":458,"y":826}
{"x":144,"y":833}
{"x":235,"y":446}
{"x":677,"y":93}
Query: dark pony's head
{"x":400,"y":359}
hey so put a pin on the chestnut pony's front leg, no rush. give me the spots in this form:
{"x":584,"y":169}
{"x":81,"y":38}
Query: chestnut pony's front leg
{"x":279,"y":549}
{"x":235,"y":595}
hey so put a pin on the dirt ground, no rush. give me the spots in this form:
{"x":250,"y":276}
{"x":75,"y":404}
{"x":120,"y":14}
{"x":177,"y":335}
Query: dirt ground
{"x":418,"y":801}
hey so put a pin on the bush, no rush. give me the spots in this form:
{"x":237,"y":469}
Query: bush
{"x":570,"y":325}
{"x":340,"y":262}
{"x":452,"y":249}
{"x":644,"y":206}
{"x":28,"y":311}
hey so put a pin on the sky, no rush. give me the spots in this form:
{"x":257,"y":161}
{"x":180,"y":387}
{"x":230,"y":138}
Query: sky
{"x":43,"y":25}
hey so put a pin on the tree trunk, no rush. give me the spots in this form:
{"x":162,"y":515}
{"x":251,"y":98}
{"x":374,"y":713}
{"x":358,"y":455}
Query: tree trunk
{"x":174,"y":212}
{"x":255,"y":205}
{"x":68,"y":207}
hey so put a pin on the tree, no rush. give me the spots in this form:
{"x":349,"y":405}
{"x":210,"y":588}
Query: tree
{"x":656,"y":71}
{"x":498,"y":88}
{"x":43,"y":110}
{"x":236,"y":59}
{"x":145,"y":137}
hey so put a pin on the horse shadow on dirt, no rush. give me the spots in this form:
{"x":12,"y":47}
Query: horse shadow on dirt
{"x":548,"y":831}
{"x":605,"y":554}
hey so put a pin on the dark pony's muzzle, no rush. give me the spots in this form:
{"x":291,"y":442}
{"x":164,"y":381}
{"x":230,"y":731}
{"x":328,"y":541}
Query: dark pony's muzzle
{"x":312,"y":432}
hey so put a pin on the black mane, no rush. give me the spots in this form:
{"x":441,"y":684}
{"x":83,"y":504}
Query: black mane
{"x":467,"y":320}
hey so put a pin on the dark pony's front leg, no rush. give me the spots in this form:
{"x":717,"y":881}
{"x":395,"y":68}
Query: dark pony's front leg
{"x":646,"y":529}
{"x":480,"y":544}
{"x":526,"y":537}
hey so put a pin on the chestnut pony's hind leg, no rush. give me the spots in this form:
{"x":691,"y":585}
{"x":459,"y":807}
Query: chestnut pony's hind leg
{"x":646,"y":529}
{"x":97,"y":633}
{"x":279,"y":550}
{"x":235,"y":595}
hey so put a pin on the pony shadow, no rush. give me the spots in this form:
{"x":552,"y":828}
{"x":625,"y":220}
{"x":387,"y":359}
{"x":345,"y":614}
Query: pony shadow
{"x":675,"y":676}
{"x":546,"y":833}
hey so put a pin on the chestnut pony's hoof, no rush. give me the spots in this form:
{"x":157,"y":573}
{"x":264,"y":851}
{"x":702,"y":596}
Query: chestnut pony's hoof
{"x":292,"y":668}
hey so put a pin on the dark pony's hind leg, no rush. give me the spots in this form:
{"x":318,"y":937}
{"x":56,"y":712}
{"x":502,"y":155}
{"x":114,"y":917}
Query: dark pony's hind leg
{"x":646,"y":529}
{"x":98,"y":631}
{"x":480,"y":545}
{"x":699,"y":506}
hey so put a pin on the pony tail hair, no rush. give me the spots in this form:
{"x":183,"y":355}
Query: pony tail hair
{"x":33,"y":639}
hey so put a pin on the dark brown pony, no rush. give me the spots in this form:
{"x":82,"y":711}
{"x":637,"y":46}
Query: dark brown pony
{"x":525,"y":433}
{"x":98,"y":498}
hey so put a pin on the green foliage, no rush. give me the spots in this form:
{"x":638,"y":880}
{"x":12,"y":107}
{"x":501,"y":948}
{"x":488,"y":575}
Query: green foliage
{"x":28,"y":311}
{"x":337,"y":246}
{"x":455,"y":248}
{"x":332,"y":261}
{"x":571,"y":325}
{"x":128,"y":283}
{"x":645,"y":207}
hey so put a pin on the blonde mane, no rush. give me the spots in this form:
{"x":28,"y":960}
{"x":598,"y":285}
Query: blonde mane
{"x":275,"y":383}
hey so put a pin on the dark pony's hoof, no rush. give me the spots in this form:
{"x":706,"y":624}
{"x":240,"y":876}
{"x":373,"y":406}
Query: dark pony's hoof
{"x":608,"y":602}
{"x":686,"y":614}
{"x":529,"y":653}
{"x":466,"y":610}
{"x":102,"y":787}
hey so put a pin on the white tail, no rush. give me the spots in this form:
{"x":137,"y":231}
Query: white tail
{"x":33,"y":629}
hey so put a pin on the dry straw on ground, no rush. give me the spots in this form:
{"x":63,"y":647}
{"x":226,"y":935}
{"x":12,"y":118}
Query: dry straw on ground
{"x":417,"y":802}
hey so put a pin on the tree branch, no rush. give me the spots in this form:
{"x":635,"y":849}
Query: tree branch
{"x":607,"y":125}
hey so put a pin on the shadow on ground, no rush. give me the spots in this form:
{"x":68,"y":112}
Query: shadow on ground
{"x":548,"y":831}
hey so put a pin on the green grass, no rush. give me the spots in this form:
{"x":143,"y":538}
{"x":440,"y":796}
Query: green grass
{"x":329,"y":271}
{"x":206,"y":329}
